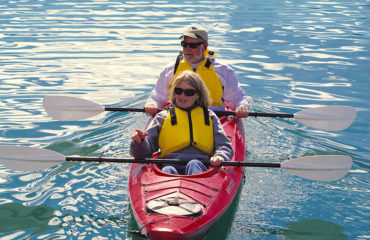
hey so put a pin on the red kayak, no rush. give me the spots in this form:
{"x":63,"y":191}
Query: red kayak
{"x":169,"y":206}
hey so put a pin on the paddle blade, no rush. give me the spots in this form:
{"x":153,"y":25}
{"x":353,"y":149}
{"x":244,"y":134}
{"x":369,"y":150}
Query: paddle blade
{"x":20,"y":158}
{"x":65,"y":108}
{"x":319,"y":167}
{"x":331,"y":118}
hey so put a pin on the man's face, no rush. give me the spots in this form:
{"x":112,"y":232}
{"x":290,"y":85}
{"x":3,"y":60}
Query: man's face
{"x":194,"y":55}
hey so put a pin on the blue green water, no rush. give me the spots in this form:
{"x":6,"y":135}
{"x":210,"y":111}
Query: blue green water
{"x":288,"y":56}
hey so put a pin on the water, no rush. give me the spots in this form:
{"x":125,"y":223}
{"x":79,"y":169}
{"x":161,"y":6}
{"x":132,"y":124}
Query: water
{"x":288,"y":56}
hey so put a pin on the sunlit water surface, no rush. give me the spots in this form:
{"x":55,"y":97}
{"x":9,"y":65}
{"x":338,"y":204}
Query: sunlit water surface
{"x":288,"y":56}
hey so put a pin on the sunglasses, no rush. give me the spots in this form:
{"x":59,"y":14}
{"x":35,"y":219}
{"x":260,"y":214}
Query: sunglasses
{"x":187,"y":92}
{"x":191,"y":45}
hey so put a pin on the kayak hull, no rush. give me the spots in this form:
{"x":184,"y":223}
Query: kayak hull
{"x":168,"y":206}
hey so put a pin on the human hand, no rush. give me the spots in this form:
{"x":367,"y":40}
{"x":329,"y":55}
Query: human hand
{"x":151,"y":108}
{"x":241,"y":112}
{"x":138,"y":136}
{"x":216,"y":161}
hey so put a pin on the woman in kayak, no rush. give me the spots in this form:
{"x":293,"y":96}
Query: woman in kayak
{"x":186,"y":130}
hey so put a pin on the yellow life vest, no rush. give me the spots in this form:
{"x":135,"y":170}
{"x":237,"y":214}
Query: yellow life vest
{"x":183,"y":128}
{"x":207,"y":73}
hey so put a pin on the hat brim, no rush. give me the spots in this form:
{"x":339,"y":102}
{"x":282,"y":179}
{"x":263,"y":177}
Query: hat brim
{"x":192,"y":35}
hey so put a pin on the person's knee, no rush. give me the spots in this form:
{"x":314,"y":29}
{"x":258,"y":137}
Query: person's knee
{"x":195,"y":162}
{"x":170,"y":170}
{"x":194,"y":167}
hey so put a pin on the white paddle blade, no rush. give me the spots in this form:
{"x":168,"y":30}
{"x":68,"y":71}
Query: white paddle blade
{"x":331,"y":118}
{"x":20,"y":158}
{"x":319,"y":167}
{"x":65,"y":108}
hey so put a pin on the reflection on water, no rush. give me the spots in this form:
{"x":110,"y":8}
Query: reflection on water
{"x":288,"y":56}
{"x":301,"y":230}
{"x":21,"y":220}
{"x":313,"y":229}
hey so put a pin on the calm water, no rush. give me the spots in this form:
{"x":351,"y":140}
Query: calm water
{"x":288,"y":55}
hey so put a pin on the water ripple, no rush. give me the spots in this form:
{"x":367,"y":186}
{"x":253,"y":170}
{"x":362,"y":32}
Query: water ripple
{"x":288,"y":57}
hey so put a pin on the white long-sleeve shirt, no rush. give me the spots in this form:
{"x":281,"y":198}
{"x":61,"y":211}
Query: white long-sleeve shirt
{"x":233,"y":95}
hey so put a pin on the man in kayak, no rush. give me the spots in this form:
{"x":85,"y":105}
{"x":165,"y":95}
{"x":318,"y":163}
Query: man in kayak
{"x":186,"y":130}
{"x":219,"y":78}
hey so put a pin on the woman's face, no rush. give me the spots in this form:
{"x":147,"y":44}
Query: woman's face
{"x":182,"y":100}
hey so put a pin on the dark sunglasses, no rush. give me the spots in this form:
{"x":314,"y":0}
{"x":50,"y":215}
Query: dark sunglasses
{"x":191,"y":45}
{"x":187,"y":92}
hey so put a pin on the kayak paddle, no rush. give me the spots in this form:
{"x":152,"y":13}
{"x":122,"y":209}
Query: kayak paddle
{"x":331,"y":118}
{"x":318,"y":167}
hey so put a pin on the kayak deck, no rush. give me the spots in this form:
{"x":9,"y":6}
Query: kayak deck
{"x":169,"y":206}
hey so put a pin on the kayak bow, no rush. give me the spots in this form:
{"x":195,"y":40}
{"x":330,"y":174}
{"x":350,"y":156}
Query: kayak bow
{"x":169,"y":206}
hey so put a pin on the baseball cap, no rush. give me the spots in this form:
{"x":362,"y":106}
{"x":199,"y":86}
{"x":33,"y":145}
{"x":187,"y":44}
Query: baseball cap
{"x":195,"y":32}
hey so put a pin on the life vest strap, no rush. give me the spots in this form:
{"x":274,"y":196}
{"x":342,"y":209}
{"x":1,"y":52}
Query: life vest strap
{"x":206,"y":116}
{"x":209,"y":59}
{"x":178,"y":60}
{"x":181,"y":56}
{"x":208,"y":62}
{"x":173,"y":116}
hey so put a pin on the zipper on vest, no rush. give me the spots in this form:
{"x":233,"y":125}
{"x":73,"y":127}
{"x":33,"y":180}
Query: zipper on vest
{"x":191,"y":128}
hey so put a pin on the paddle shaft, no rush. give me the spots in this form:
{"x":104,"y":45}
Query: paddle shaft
{"x":168,"y":161}
{"x":219,"y":113}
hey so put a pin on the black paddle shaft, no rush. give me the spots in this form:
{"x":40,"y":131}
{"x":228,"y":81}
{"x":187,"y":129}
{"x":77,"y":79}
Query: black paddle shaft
{"x":219,"y":113}
{"x":168,"y":161}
